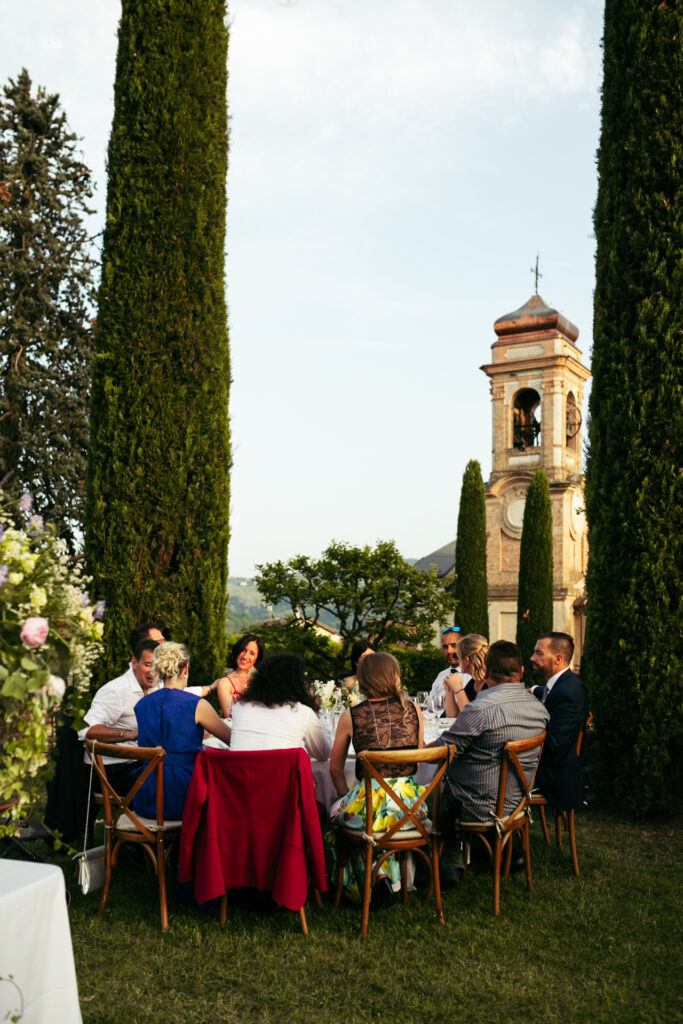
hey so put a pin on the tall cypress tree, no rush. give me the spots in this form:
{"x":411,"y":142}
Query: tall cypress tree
{"x":535,"y":589}
{"x":159,"y":464}
{"x":471,"y":590}
{"x":46,"y":304}
{"x":632,"y":657}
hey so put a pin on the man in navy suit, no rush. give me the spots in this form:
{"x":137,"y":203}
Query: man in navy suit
{"x":560,"y":777}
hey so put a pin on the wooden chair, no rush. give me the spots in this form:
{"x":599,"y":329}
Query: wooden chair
{"x":496,"y":835}
{"x":409,"y":833}
{"x":123,"y":825}
{"x":251,"y":821}
{"x":565,"y":818}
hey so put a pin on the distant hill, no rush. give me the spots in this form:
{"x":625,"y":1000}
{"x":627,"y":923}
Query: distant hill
{"x":246,"y":606}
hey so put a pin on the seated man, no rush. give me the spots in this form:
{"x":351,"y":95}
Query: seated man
{"x":502,"y":713}
{"x":560,"y":777}
{"x":111,"y":716}
{"x":449,"y":645}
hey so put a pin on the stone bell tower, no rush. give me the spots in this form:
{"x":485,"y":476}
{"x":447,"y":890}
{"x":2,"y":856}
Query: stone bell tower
{"x":537,"y":381}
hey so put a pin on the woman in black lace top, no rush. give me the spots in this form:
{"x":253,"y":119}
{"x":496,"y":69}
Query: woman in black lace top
{"x":386,"y":720}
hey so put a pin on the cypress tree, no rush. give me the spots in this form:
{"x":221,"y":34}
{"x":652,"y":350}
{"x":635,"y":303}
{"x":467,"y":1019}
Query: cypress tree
{"x":471,"y":591}
{"x":46,"y":303}
{"x":632,"y":656}
{"x":159,"y":463}
{"x":535,"y":589}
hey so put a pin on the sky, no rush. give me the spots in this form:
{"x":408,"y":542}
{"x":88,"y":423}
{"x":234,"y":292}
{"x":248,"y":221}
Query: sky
{"x":395,"y":167}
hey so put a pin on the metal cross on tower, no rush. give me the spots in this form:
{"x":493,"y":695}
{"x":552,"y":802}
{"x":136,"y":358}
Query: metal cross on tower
{"x":537,"y":273}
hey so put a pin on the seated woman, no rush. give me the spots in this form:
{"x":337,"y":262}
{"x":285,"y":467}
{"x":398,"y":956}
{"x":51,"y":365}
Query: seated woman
{"x":462,"y":689}
{"x":278,"y":711}
{"x":385,"y":720}
{"x":246,"y":655}
{"x":359,"y":650}
{"x":175,"y":720}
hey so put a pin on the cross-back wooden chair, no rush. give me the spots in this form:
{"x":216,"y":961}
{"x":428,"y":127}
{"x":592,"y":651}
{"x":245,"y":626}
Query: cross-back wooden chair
{"x":124,"y":825}
{"x":496,"y":834}
{"x":565,"y":818}
{"x":409,"y":833}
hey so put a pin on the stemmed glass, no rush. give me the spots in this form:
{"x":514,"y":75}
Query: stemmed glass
{"x":421,"y":699}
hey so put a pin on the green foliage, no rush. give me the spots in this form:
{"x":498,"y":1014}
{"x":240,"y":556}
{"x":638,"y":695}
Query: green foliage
{"x":632,"y":656}
{"x":46,"y":296}
{"x":158,"y":474}
{"x":373,"y":593}
{"x":535,"y":591}
{"x":419,"y":667}
{"x":49,"y":638}
{"x":471,"y":590}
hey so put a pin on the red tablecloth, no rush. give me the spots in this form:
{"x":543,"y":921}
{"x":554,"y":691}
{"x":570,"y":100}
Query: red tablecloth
{"x":250,"y":819}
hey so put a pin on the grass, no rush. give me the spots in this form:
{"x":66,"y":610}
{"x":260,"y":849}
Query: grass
{"x":601,"y":948}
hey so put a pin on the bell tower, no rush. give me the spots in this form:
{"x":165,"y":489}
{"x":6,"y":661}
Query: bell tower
{"x":537,"y":381}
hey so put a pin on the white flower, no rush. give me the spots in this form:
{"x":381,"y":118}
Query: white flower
{"x":38,"y":598}
{"x":15,"y":578}
{"x":28,"y":562}
{"x":54,"y":687}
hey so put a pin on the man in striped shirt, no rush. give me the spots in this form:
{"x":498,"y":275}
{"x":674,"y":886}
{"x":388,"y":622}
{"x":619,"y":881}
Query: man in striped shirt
{"x":503,"y":712}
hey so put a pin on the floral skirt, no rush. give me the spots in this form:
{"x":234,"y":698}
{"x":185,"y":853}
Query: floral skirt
{"x":350,"y":812}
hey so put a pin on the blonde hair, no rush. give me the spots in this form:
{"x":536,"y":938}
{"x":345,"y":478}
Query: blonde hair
{"x":169,"y":660}
{"x":475,"y":647}
{"x":379,"y":675}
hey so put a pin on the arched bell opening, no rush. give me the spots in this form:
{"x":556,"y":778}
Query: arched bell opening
{"x":526,"y":419}
{"x":573,"y":422}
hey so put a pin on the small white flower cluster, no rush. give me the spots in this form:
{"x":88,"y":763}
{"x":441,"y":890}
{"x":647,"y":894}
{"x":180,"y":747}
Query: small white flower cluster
{"x":328,"y":694}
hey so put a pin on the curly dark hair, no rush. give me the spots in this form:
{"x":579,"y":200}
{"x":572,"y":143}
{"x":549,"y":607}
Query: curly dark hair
{"x":242,"y":643}
{"x":281,"y":679}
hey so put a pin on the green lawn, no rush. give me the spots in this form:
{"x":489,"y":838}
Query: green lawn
{"x":602,"y":948}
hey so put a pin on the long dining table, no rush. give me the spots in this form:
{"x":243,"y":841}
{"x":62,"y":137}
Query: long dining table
{"x":325,"y":791}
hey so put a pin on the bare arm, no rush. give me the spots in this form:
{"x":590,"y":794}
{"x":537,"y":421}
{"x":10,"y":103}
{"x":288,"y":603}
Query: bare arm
{"x":225,"y":695}
{"x":456,"y":698}
{"x":207,"y":717}
{"x":340,"y":749}
{"x":107,"y":734}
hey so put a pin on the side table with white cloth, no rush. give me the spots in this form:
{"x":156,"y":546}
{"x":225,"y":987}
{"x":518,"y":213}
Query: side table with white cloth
{"x":37,"y":972}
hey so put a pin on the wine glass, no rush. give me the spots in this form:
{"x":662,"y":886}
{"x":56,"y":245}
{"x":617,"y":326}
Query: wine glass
{"x":421,"y":699}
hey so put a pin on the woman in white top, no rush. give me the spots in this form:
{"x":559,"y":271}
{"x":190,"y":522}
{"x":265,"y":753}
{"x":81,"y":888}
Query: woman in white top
{"x":277,"y":710}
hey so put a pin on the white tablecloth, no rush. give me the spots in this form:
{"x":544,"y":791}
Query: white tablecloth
{"x":35,"y":946}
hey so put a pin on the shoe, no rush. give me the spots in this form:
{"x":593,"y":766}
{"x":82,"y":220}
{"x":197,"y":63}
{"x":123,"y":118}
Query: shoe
{"x":383,"y":896}
{"x":517,"y":863}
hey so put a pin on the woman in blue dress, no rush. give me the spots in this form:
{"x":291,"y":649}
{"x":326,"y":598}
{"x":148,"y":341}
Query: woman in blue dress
{"x":175,"y":720}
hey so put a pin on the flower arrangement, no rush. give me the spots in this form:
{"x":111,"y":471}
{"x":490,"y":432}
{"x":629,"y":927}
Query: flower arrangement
{"x":50,"y":636}
{"x":331,"y":695}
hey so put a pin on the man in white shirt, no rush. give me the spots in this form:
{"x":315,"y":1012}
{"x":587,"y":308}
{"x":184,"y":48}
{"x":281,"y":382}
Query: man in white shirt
{"x":111,"y":716}
{"x":449,"y":645}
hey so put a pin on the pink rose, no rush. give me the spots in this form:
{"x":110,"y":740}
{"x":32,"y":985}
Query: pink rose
{"x":34,"y":631}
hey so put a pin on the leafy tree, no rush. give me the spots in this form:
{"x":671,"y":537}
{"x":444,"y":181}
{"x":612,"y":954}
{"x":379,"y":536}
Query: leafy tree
{"x":535,"y":589}
{"x":46,"y":295}
{"x":372,"y":592}
{"x":158,"y":473}
{"x":632,"y":656}
{"x":471,"y":591}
